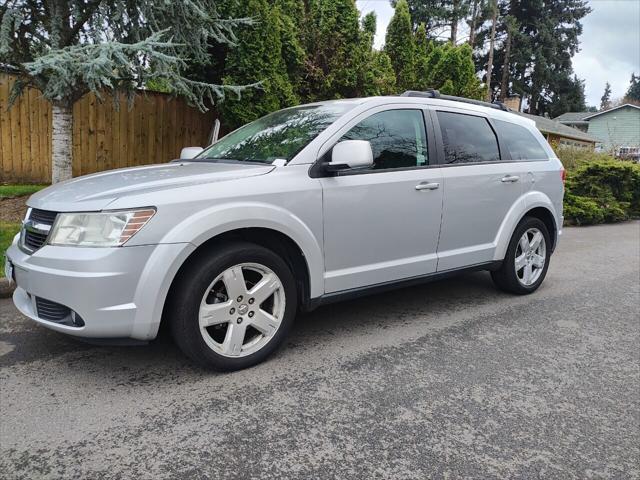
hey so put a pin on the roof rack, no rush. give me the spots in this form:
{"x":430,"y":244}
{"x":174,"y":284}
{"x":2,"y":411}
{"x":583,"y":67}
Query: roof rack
{"x":436,"y":94}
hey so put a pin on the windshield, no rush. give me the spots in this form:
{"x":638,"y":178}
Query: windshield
{"x":279,"y":135}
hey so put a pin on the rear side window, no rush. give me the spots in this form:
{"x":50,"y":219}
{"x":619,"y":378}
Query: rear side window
{"x":467,"y":138}
{"x":520,"y":142}
{"x":397,"y":138}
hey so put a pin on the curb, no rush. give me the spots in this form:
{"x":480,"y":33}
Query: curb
{"x":6,"y":288}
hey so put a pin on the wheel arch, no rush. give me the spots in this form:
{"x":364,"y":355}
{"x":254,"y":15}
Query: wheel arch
{"x":276,"y":241}
{"x":535,"y":204}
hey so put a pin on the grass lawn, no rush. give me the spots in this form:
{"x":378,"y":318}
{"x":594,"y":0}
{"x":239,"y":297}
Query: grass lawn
{"x":7,"y":232}
{"x":10,"y":191}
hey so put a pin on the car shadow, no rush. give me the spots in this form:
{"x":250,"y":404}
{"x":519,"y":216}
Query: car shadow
{"x":28,"y":342}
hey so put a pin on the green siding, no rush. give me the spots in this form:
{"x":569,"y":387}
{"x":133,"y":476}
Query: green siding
{"x":618,"y":128}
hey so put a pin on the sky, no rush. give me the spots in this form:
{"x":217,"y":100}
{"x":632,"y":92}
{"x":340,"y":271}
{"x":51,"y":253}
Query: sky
{"x":609,"y":44}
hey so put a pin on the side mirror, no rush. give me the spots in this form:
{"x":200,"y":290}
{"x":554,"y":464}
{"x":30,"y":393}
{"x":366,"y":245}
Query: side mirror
{"x":350,"y":154}
{"x":187,"y":153}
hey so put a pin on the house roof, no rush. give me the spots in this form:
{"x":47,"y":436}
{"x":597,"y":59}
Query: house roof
{"x":611,"y":110}
{"x":547,"y":125}
{"x":573,"y":117}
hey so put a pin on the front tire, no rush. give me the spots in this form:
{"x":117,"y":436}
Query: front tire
{"x":527,"y":259}
{"x":233,"y":307}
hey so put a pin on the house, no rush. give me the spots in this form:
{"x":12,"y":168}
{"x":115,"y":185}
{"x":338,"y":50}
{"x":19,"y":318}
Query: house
{"x":616,"y":129}
{"x":555,"y":132}
{"x":558,"y":133}
{"x":575,"y":120}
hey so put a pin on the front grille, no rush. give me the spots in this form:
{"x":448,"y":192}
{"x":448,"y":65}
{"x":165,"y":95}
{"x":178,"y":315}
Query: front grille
{"x":43,"y":216}
{"x":34,"y":235}
{"x":34,"y":240}
{"x":52,"y":311}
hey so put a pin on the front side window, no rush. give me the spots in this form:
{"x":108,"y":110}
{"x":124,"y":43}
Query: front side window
{"x":467,"y":138}
{"x":279,"y":135}
{"x":397,"y":138}
{"x":522,"y":145}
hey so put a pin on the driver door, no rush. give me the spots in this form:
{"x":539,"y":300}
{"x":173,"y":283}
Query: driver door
{"x":382,"y":224}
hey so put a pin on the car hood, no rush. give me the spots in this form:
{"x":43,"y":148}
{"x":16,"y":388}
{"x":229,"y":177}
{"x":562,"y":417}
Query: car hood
{"x":97,"y":191}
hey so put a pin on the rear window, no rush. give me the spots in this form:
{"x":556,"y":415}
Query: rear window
{"x":520,"y":142}
{"x":467,"y":138}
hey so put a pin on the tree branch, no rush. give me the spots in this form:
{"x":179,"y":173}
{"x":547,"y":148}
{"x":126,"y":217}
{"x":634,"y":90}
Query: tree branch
{"x":84,"y":18}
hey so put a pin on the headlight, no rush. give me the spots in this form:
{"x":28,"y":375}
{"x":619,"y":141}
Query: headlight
{"x":103,"y":229}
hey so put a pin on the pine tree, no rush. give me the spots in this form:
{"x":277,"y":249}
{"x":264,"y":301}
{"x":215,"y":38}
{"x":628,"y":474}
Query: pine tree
{"x":438,"y":15}
{"x":633,"y":93}
{"x":67,"y":49}
{"x":605,"y":100}
{"x":259,"y":57}
{"x":541,"y":48}
{"x":570,"y":99}
{"x":400,"y":45}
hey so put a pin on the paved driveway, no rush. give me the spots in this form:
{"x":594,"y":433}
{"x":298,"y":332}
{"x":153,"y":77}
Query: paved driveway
{"x":445,"y":380}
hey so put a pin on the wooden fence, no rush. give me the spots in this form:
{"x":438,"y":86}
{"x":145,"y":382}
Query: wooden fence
{"x":154,"y":130}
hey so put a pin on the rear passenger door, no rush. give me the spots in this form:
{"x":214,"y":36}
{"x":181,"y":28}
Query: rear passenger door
{"x":480,"y":186}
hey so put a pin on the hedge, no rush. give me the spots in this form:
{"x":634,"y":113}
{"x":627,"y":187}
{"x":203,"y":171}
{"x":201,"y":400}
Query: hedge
{"x":600,"y":191}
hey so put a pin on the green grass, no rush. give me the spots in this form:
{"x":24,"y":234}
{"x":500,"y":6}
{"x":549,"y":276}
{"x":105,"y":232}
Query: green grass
{"x":7,"y":232}
{"x":10,"y":191}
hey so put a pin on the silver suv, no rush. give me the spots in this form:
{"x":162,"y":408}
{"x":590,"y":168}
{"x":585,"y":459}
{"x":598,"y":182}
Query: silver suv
{"x":305,"y":206}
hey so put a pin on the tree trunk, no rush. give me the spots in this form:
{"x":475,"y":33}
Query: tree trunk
{"x":474,"y":20}
{"x":61,"y":142}
{"x":494,"y":18}
{"x":454,"y":22}
{"x":505,"y":67}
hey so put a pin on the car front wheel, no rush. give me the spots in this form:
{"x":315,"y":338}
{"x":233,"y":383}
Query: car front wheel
{"x":233,"y":307}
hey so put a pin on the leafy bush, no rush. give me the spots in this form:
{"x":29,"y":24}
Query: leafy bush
{"x":604,"y":190}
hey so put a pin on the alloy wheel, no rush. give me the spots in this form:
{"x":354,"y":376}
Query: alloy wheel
{"x":531,"y":255}
{"x":242,"y":309}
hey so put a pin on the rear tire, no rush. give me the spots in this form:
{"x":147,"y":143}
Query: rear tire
{"x":232,"y":307}
{"x":527,"y":259}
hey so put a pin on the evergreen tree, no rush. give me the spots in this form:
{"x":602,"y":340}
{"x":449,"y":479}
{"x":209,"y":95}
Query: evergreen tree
{"x":633,"y":93}
{"x":571,"y":98}
{"x":452,"y":71}
{"x":440,"y":15}
{"x":335,"y":55}
{"x":400,"y":45}
{"x":541,"y":48}
{"x":259,"y":57}
{"x":605,"y":100}
{"x":421,"y":52}
{"x":290,"y":14}
{"x":67,"y":49}
{"x":376,"y":76}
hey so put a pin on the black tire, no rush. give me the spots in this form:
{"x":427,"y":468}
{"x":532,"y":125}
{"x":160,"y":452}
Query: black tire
{"x":190,"y":287}
{"x":505,"y":278}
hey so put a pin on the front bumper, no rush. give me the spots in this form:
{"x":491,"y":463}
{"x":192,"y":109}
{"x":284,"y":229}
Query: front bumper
{"x":118,"y":292}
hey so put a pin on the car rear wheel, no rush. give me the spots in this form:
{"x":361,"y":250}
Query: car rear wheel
{"x":233,"y":307}
{"x":527,"y":259}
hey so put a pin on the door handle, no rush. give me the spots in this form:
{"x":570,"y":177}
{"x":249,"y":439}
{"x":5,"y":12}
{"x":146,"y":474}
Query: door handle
{"x":510,"y":179}
{"x":427,"y":186}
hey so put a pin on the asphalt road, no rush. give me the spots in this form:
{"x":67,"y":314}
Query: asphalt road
{"x":447,"y":380}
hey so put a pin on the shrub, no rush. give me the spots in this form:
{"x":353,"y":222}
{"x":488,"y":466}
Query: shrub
{"x":602,"y":191}
{"x":572,"y":157}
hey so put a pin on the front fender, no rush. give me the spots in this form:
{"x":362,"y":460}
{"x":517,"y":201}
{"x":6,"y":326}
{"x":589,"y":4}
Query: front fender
{"x":220,"y":219}
{"x":526,"y":202}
